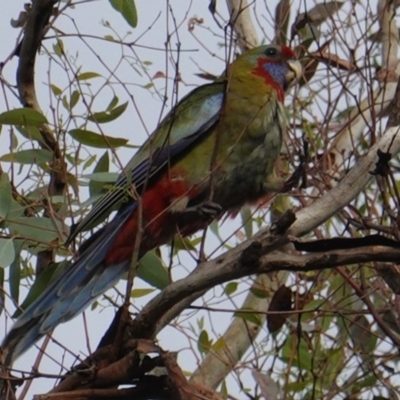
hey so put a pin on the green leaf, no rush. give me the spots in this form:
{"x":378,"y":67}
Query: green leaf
{"x":109,"y":115}
{"x":152,"y":271}
{"x":297,"y":353}
{"x":92,"y":139}
{"x":260,"y":293}
{"x":14,"y":140}
{"x":113,"y":103}
{"x":38,"y":229}
{"x":250,"y":316}
{"x":204,"y":343}
{"x":103,"y":177}
{"x":5,"y":195}
{"x":247,"y":221}
{"x":141,"y":292}
{"x":74,"y":99}
{"x":230,"y":288}
{"x":22,"y":116}
{"x":15,"y":271}
{"x":59,"y":47}
{"x":40,"y":284}
{"x":56,"y":90}
{"x":185,"y":243}
{"x":268,"y":386}
{"x":64,"y":102}
{"x":102,"y":166}
{"x":127,"y":9}
{"x":89,"y":161}
{"x":30,"y":133}
{"x":7,"y":252}
{"x":84,"y":76}
{"x":16,"y":210}
{"x":34,"y":156}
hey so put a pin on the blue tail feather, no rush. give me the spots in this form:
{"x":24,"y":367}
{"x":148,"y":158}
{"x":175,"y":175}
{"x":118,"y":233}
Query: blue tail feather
{"x":71,"y":292}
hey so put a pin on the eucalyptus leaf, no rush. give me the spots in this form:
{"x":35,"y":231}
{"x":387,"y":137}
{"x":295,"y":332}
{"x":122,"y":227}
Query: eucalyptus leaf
{"x":7,"y":252}
{"x":22,"y":116}
{"x":127,"y":9}
{"x":92,"y":139}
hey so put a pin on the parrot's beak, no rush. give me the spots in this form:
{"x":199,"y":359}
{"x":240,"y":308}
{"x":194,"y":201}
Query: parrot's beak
{"x":294,"y":73}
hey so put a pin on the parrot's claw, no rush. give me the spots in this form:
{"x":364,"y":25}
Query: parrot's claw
{"x":208,"y":210}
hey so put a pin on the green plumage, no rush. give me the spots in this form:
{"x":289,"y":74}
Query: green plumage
{"x":238,"y":122}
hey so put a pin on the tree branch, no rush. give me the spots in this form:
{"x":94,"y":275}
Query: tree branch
{"x":242,"y":24}
{"x":226,"y":267}
{"x":375,"y":103}
{"x":36,"y":23}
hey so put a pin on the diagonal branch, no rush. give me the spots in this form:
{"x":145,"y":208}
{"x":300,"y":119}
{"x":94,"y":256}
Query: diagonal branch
{"x":227,"y":267}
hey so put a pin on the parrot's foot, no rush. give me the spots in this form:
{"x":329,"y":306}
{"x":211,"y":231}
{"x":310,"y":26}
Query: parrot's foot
{"x":206,"y":211}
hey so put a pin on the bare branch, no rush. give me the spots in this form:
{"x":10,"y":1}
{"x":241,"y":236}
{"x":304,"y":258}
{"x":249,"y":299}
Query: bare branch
{"x":226,"y":267}
{"x":375,"y":104}
{"x":239,"y":11}
{"x":239,"y":336}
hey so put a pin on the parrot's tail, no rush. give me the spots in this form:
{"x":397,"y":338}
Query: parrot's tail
{"x":69,"y":293}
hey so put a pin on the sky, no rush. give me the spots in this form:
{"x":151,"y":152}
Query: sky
{"x":133,"y":74}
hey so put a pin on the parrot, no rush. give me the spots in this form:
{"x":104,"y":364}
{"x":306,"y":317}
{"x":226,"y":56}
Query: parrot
{"x":214,"y":152}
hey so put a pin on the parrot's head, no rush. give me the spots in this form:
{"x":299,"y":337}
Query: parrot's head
{"x":276,"y":64}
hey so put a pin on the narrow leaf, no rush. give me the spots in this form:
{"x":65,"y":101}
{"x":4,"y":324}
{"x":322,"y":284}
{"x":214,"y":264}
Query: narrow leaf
{"x":38,"y":287}
{"x":59,"y":47}
{"x":109,"y":115}
{"x":84,"y":76}
{"x":113,"y":103}
{"x":89,"y":138}
{"x":15,"y":271}
{"x":127,"y":9}
{"x":102,"y":166}
{"x":74,"y":99}
{"x":5,"y":195}
{"x":7,"y":252}
{"x":204,"y":343}
{"x":103,"y":177}
{"x":56,"y":90}
{"x":247,"y":221}
{"x":30,"y":132}
{"x":22,"y":116}
{"x":34,"y":156}
{"x":230,"y":288}
{"x":38,"y":229}
{"x":268,"y":387}
{"x":152,"y":271}
{"x":282,"y":14}
{"x":141,"y":292}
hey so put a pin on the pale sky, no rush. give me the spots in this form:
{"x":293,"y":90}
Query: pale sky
{"x":207,"y":54}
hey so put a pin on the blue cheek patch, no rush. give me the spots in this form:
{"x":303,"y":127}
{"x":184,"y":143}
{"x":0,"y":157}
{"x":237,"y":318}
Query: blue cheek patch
{"x":278,"y":72}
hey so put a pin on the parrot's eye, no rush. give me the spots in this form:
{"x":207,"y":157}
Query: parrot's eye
{"x":271,"y":51}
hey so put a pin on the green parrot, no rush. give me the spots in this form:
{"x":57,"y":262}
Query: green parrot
{"x":214,"y":152}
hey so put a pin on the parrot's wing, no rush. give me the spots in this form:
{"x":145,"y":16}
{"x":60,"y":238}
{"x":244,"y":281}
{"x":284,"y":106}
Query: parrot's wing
{"x":89,"y":276}
{"x":185,"y":124}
